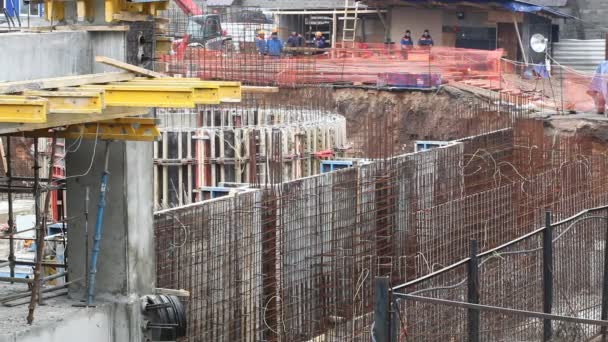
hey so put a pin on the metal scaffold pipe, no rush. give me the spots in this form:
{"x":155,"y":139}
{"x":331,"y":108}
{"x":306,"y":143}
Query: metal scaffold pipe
{"x":98,"y":225}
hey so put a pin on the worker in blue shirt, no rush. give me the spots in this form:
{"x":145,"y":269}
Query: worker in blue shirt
{"x":319,"y":41}
{"x":274,"y":44}
{"x":426,"y":39}
{"x":260,"y":43}
{"x":295,"y":40}
{"x":406,"y":40}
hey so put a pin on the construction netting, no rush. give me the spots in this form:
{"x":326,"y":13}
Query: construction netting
{"x":366,"y":64}
{"x":296,"y":261}
{"x":552,"y":86}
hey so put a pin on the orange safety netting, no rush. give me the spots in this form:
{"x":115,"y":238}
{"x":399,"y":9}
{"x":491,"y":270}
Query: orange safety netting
{"x":552,"y":88}
{"x":366,"y":64}
{"x":555,"y":88}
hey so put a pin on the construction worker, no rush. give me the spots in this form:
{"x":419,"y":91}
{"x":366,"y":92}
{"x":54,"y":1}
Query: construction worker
{"x":598,"y":89}
{"x":319,"y":40}
{"x":406,"y":40}
{"x":426,"y":40}
{"x":406,"y":43}
{"x":260,"y":43}
{"x":295,"y":40}
{"x":274,"y":44}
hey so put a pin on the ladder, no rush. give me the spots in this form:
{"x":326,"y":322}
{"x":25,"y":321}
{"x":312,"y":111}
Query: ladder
{"x":349,"y":31}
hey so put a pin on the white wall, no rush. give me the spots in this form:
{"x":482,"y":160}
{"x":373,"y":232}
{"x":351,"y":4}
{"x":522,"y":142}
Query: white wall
{"x":416,"y":20}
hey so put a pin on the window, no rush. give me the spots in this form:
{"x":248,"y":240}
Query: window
{"x":212,"y":28}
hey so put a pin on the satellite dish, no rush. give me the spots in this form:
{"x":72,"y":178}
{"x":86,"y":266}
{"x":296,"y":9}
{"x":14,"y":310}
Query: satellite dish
{"x":538,"y":42}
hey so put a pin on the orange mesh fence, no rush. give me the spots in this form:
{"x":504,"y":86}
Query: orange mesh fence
{"x":374,"y":64}
{"x":555,"y":89}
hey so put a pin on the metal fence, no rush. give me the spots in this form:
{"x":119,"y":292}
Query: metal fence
{"x":296,"y":261}
{"x":547,"y":285}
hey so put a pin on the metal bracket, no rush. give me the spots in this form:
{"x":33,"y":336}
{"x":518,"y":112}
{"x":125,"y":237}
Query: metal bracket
{"x":125,"y":129}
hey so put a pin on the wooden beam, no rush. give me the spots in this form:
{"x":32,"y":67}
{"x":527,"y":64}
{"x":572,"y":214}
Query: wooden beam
{"x":521,"y":45}
{"x":259,"y":90}
{"x":131,"y":16}
{"x":129,"y":67}
{"x":66,"y":81}
{"x":93,"y":28}
{"x":172,"y":292}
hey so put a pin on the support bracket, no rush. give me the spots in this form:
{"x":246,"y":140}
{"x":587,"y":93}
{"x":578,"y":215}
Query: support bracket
{"x":124,"y":129}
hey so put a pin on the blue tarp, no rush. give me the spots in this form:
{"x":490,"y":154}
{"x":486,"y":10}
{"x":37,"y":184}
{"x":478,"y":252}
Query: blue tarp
{"x":510,"y":5}
{"x":599,"y":82}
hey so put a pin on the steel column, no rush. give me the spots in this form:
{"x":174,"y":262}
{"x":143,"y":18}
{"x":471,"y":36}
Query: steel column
{"x":381,"y":331}
{"x":473,"y":293}
{"x":547,"y":275}
{"x":604,"y":314}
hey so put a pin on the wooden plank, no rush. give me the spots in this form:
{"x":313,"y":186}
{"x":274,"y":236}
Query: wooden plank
{"x":131,"y":16}
{"x":95,"y":28}
{"x":66,"y":81}
{"x":172,"y":292}
{"x":128,"y":67}
{"x":3,"y":155}
{"x":259,"y":90}
{"x":87,"y":28}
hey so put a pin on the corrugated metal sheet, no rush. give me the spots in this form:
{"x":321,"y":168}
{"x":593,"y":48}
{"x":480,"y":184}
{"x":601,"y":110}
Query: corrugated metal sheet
{"x":582,"y":55}
{"x":553,"y":3}
{"x":220,"y":3}
{"x":294,"y":5}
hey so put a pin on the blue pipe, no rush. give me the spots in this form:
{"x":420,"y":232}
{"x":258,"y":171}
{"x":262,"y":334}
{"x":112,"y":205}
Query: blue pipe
{"x":98,"y":224}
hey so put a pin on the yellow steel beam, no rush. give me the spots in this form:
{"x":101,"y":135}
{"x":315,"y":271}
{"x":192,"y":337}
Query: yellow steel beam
{"x":126,"y":129}
{"x":228,"y":91}
{"x":54,"y":10}
{"x":130,"y":95}
{"x":23,"y":109}
{"x":203,"y":93}
{"x":84,"y":102}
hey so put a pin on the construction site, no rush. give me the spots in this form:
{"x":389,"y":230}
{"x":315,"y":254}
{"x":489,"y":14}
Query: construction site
{"x":261,"y":170}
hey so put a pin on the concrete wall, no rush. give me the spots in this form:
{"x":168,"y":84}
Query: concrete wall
{"x":107,"y":322}
{"x":109,"y":44}
{"x":126,"y":260}
{"x":27,"y":56}
{"x":593,"y":14}
{"x":416,"y":20}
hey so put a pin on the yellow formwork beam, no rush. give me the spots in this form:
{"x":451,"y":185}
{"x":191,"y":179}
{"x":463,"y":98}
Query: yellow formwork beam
{"x":23,"y":109}
{"x":125,"y":129}
{"x":54,"y":10}
{"x":130,"y":95}
{"x":73,"y":102}
{"x":203,"y":93}
{"x":113,"y":8}
{"x":228,"y":91}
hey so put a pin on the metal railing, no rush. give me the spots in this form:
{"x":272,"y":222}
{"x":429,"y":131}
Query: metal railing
{"x":550,"y":284}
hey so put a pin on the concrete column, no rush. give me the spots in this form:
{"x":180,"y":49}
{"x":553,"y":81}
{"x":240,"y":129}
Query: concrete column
{"x":126,"y":263}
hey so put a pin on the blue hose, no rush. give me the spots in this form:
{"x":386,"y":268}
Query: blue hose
{"x":98,"y":224}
